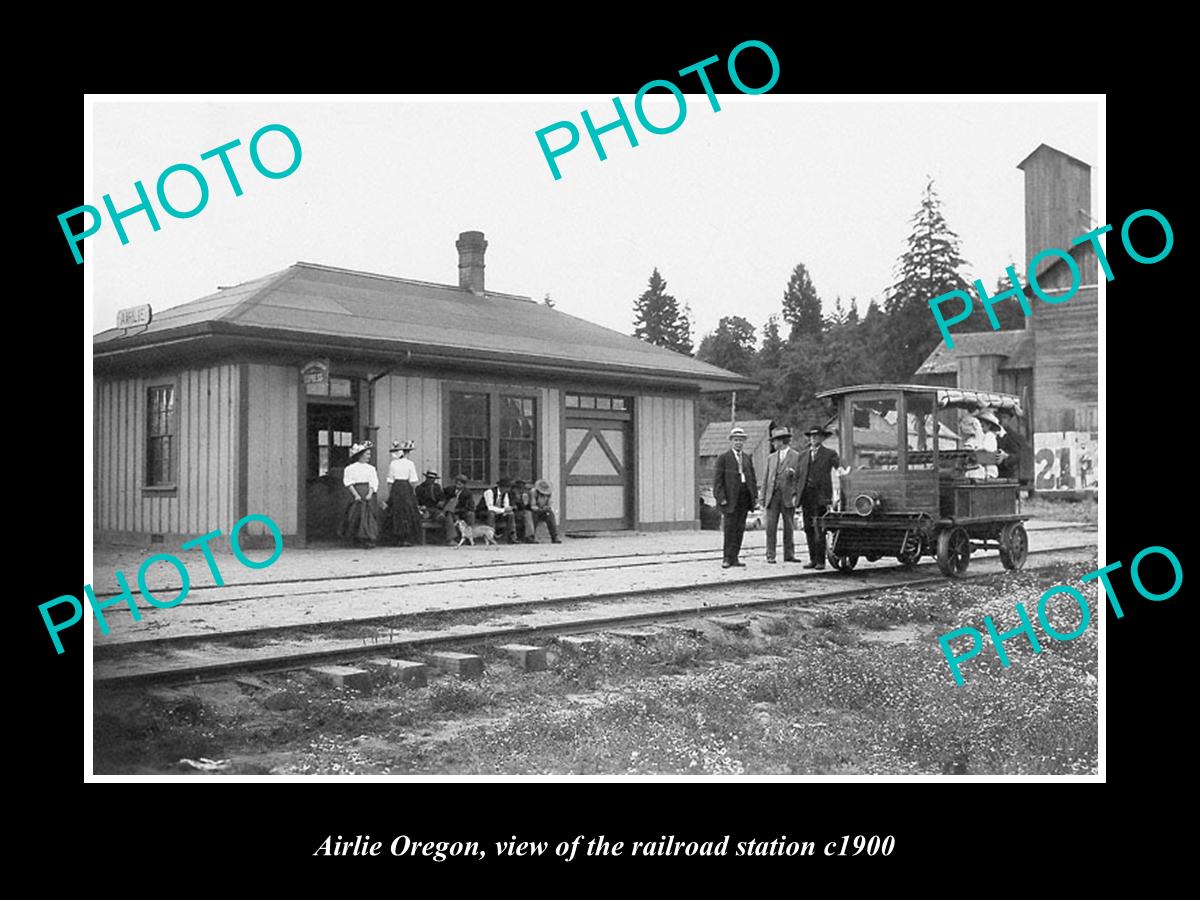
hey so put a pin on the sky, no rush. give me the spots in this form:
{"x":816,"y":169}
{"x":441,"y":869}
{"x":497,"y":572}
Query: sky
{"x":725,"y":206}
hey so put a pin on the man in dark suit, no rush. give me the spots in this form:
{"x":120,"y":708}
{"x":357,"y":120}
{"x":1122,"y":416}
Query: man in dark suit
{"x":778,"y":494}
{"x":735,"y":490}
{"x":1011,"y":444}
{"x":814,"y":479}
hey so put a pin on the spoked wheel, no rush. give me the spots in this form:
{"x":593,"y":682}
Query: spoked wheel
{"x":954,"y":552}
{"x":1014,"y":545}
{"x":910,"y":553}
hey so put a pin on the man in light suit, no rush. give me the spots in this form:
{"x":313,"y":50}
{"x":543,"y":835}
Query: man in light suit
{"x":814,"y":482}
{"x":778,"y":494}
{"x":735,"y":490}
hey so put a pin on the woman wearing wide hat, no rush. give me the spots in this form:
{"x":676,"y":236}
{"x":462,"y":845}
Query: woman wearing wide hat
{"x":403,"y":520}
{"x":360,"y":524}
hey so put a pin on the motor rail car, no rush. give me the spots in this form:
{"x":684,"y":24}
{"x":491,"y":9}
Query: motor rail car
{"x":911,"y":486}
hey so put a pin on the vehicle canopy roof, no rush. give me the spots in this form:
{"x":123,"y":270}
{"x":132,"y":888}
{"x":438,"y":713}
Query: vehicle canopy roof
{"x":947,"y":397}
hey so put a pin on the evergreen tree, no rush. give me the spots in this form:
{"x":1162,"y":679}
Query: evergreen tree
{"x":659,"y":320}
{"x":801,"y":305}
{"x":928,"y":268}
{"x":1008,"y":311}
{"x":731,"y":346}
{"x":772,"y":344}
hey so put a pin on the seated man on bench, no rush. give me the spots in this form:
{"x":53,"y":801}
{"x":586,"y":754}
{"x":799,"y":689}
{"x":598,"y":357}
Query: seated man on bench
{"x":430,"y":498}
{"x":459,"y":504}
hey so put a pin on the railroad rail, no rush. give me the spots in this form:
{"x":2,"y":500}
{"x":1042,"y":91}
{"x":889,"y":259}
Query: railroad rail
{"x":282,"y":648}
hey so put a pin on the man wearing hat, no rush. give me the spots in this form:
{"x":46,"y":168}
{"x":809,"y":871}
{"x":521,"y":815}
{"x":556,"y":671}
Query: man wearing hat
{"x":814,"y":480}
{"x":778,"y":495}
{"x":496,"y":503}
{"x":735,"y":490}
{"x":459,"y":504}
{"x":430,"y":498}
{"x":542,"y":511}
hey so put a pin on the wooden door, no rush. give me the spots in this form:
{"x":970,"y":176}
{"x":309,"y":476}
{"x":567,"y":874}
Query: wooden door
{"x":597,"y":474}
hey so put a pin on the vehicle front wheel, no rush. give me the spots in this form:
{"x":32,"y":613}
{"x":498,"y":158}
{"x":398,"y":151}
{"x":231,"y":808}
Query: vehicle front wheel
{"x":1014,"y":545}
{"x":954,"y":552}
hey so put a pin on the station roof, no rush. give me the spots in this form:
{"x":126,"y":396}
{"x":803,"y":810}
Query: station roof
{"x":316,"y":306}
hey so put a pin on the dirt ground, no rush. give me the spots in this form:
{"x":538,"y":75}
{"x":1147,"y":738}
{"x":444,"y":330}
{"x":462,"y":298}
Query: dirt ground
{"x":856,"y":687}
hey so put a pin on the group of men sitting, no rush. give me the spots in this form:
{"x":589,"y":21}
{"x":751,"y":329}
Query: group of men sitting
{"x":509,"y":505}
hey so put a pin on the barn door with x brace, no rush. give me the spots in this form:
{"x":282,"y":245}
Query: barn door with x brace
{"x":598,"y":479}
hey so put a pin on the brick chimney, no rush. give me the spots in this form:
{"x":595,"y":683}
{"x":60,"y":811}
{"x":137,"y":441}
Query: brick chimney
{"x":1058,"y":200}
{"x":471,"y":247}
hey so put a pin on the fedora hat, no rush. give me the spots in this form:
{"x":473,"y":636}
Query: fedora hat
{"x":781,"y":432}
{"x":542,"y":486}
{"x":817,"y":429}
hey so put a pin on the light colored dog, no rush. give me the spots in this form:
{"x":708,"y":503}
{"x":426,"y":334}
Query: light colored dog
{"x":468,"y":533}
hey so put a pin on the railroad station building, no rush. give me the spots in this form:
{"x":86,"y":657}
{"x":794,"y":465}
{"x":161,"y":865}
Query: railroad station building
{"x":1053,"y":363}
{"x":247,"y":401}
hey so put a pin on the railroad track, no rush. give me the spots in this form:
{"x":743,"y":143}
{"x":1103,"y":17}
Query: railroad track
{"x":283,"y":648}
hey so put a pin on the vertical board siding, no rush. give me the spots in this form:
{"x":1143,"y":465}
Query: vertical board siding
{"x":273,"y":465}
{"x":205,"y":430}
{"x":665,"y":450}
{"x":551,"y":451}
{"x":409,"y":407}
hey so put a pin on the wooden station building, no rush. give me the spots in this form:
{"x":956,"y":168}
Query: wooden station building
{"x":247,"y":401}
{"x":1053,"y":363}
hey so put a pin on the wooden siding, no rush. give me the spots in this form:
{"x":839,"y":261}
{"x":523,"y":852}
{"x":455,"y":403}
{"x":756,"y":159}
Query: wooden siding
{"x":665,"y":438}
{"x":272,"y":485}
{"x":1066,"y":386}
{"x":409,"y":407}
{"x":206,"y":417}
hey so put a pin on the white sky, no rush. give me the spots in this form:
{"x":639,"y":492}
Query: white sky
{"x":724,"y":206}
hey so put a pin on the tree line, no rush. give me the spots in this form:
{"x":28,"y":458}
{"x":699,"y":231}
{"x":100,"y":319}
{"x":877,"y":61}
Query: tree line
{"x":803,"y":350}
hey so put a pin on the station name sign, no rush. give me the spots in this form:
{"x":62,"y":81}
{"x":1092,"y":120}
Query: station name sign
{"x":134,"y":316}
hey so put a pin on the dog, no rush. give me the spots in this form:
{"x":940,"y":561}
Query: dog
{"x":468,"y":533}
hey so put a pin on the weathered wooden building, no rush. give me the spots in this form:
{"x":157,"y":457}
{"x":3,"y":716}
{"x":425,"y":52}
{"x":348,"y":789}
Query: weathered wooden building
{"x":1053,"y":364}
{"x":247,"y":401}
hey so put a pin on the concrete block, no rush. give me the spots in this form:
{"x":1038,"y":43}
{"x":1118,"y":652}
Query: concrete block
{"x":531,"y":659}
{"x":634,"y":634}
{"x":407,"y":672}
{"x":344,"y":676}
{"x":578,"y":642}
{"x":464,"y":665}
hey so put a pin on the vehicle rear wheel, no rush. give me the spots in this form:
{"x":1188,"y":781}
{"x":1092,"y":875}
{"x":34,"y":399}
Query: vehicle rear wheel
{"x":1014,"y":545}
{"x":954,"y":552}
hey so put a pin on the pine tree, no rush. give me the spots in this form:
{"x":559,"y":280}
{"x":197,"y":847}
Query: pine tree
{"x":801,"y":304}
{"x":928,"y":268}
{"x":1008,"y":311}
{"x":659,"y":320}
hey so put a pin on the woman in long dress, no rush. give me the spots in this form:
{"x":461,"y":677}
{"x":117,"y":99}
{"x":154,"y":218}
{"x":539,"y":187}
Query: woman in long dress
{"x":360,"y":524}
{"x":403,"y":516}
